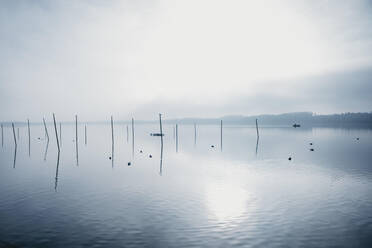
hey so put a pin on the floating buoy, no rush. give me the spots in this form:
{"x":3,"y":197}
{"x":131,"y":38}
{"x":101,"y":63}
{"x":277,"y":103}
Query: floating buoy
{"x":311,"y":144}
{"x":150,"y":156}
{"x":311,"y":149}
{"x":129,"y":163}
{"x":110,"y":158}
{"x":212,"y":146}
{"x":140,"y":151}
{"x":357,"y":138}
{"x":289,"y":158}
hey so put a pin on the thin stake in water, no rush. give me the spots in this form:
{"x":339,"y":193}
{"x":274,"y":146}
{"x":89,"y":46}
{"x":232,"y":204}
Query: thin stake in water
{"x":258,"y":136}
{"x":2,"y":135}
{"x":127,"y":134}
{"x":221,"y":135}
{"x":14,"y":135}
{"x":60,"y":134}
{"x":29,"y":138}
{"x":194,"y":134}
{"x":18,"y":133}
{"x":76,"y":140}
{"x":46,"y":150}
{"x":56,"y":178}
{"x":132,"y":137}
{"x":55,"y":129}
{"x":176,"y":137}
{"x":85,"y":132}
{"x":161,"y":129}
{"x":112,"y":141}
{"x":15,"y":146}
{"x":46,"y":130}
{"x":161,"y":148}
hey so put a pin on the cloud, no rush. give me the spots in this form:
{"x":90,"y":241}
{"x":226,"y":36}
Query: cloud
{"x":98,"y":58}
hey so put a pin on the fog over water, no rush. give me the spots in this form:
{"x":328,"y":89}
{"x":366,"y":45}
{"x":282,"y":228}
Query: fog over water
{"x":183,"y":58}
{"x":185,"y":123}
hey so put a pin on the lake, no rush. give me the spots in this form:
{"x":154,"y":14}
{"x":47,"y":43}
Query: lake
{"x":243,"y":194}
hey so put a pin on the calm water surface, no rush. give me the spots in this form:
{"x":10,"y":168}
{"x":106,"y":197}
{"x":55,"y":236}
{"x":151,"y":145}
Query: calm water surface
{"x":242,"y":195}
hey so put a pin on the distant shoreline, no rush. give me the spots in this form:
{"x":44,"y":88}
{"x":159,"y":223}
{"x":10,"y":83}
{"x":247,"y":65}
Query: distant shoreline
{"x":306,"y":119}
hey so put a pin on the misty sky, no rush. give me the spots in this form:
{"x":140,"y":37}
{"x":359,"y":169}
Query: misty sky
{"x":202,"y":58}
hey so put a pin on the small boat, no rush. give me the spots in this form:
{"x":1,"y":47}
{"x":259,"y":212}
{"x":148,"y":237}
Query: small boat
{"x":156,"y":134}
{"x":296,"y":125}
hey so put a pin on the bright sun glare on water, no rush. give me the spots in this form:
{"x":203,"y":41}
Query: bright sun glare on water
{"x":226,"y":201}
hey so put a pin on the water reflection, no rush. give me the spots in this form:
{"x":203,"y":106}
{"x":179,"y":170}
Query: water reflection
{"x":202,"y":189}
{"x":226,"y":201}
{"x":161,"y":157}
{"x":56,"y":178}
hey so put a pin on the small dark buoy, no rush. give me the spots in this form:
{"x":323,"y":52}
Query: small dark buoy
{"x":140,"y":151}
{"x":289,"y":158}
{"x":311,"y":144}
{"x":109,"y":157}
{"x":129,"y":163}
{"x":38,"y":138}
{"x":212,"y":146}
{"x":357,"y":138}
{"x":311,"y":149}
{"x":150,"y":156}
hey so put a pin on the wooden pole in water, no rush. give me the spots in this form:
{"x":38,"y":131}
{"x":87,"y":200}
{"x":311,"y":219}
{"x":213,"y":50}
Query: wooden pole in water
{"x":127,"y":134}
{"x":14,"y":135}
{"x":76,"y":140}
{"x":85,"y":132}
{"x":46,"y":130}
{"x":2,"y":135}
{"x":221,"y":135}
{"x":161,"y":127}
{"x":18,"y":133}
{"x":29,"y":137}
{"x":132,"y":136}
{"x":258,"y":135}
{"x":176,"y":137}
{"x":15,"y":146}
{"x":56,"y":178}
{"x":55,"y":129}
{"x":112,"y":141}
{"x":161,"y":148}
{"x":60,"y":134}
{"x":161,"y":130}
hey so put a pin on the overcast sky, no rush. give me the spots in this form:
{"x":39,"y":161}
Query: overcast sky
{"x":201,"y":58}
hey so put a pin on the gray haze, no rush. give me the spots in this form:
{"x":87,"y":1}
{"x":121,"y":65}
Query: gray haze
{"x":198,"y":58}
